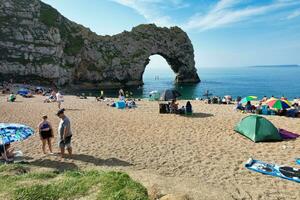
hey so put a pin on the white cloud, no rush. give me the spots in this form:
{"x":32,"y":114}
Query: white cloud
{"x":152,"y":10}
{"x":224,"y":14}
{"x":294,"y":14}
{"x":221,"y":14}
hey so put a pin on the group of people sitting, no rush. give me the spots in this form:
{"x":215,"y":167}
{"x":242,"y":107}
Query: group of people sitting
{"x":123,"y":102}
{"x":173,"y":107}
{"x":24,"y":90}
{"x":55,"y":96}
{"x":264,"y":109}
{"x":219,"y":100}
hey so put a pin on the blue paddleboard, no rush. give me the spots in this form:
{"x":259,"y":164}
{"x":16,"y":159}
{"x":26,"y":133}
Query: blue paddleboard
{"x":286,"y":172}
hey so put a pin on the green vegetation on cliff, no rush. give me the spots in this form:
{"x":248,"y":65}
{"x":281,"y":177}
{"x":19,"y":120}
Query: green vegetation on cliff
{"x":51,"y":18}
{"x":74,"y":45}
{"x":48,"y":15}
{"x":18,"y":182}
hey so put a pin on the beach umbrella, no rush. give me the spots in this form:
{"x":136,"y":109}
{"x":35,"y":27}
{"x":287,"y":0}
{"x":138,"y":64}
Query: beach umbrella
{"x":10,"y":133}
{"x":248,"y":98}
{"x":169,"y":95}
{"x":279,"y":104}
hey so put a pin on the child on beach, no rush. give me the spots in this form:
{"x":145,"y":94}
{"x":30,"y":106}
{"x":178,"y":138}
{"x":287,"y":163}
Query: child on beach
{"x":46,"y":134}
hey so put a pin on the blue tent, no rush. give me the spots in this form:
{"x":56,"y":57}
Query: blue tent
{"x":23,"y":92}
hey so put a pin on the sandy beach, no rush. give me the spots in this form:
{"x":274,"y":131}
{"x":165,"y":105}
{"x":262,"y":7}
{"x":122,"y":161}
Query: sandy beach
{"x":200,"y":156}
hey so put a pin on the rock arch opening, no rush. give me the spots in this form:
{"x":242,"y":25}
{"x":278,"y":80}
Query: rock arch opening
{"x":158,"y":69}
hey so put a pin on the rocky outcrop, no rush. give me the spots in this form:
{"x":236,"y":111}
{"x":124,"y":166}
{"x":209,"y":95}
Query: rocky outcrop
{"x":36,"y":41}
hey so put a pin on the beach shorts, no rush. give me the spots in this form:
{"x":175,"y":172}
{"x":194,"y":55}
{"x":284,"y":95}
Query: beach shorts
{"x":46,"y":134}
{"x":65,"y":143}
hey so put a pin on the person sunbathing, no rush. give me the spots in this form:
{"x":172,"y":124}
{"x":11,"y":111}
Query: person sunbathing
{"x":6,"y":152}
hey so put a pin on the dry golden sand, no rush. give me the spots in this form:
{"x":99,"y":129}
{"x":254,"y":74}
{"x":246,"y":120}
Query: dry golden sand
{"x":200,"y":156}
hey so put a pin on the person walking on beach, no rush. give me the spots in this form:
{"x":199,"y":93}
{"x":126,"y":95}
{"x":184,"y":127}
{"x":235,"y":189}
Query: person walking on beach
{"x":64,"y":133}
{"x":46,"y":134}
{"x":59,"y":99}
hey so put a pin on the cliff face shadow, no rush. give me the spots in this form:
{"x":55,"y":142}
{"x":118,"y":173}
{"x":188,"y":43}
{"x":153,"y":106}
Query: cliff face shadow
{"x":199,"y":115}
{"x":56,"y":165}
{"x":111,"y":162}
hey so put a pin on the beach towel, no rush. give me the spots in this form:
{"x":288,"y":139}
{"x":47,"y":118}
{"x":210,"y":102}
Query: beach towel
{"x":285,"y":172}
{"x":298,"y":161}
{"x":287,"y":135}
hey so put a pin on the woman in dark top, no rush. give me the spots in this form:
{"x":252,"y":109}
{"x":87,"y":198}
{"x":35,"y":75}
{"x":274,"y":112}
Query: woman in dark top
{"x":188,"y":108}
{"x":46,"y":134}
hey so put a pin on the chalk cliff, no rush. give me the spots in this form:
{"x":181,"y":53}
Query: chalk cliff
{"x":37,"y":42}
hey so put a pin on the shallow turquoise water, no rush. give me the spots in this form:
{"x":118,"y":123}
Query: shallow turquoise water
{"x":241,"y":81}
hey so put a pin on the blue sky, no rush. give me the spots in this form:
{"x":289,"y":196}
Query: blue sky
{"x":225,"y":33}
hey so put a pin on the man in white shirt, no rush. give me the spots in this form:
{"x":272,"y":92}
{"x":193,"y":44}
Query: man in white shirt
{"x":59,"y":99}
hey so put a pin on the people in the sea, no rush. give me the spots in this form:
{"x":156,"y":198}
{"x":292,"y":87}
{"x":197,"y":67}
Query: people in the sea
{"x":59,"y":99}
{"x":6,"y":152}
{"x":46,"y":134}
{"x":64,"y":133}
{"x":12,"y":97}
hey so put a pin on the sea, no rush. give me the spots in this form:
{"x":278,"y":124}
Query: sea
{"x":235,"y":81}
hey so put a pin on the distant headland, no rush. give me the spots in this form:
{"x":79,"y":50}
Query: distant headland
{"x":277,"y":66}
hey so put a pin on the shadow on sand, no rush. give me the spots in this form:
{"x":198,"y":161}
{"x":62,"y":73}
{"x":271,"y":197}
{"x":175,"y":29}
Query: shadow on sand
{"x":54,"y":164}
{"x":199,"y":115}
{"x":62,"y":166}
{"x":111,"y":162}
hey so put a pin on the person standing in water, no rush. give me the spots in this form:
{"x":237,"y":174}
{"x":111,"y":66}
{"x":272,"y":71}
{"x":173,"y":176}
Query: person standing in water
{"x":46,"y":134}
{"x":64,"y":133}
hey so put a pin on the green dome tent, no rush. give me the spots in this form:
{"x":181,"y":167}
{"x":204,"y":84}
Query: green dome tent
{"x":258,"y":129}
